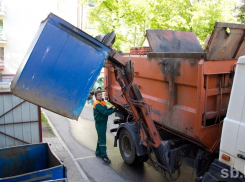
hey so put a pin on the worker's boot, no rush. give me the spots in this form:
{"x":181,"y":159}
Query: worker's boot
{"x":106,"y":159}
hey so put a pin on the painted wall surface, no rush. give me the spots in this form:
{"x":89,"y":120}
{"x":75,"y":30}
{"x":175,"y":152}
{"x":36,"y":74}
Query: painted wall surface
{"x":22,"y":21}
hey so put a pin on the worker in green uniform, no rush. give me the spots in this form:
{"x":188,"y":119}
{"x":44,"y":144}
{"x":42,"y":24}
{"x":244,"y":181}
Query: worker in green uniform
{"x":101,"y":113}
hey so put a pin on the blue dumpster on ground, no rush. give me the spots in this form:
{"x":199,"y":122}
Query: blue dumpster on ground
{"x":60,"y":68}
{"x":34,"y":162}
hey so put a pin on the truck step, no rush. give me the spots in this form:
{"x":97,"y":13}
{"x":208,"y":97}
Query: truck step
{"x":118,"y":121}
{"x":113,"y":130}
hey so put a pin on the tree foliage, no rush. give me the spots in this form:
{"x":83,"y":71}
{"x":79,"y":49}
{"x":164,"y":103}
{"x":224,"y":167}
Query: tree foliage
{"x":241,"y":12}
{"x":130,"y":18}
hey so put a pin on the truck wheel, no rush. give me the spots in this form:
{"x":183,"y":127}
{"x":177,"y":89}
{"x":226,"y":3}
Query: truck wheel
{"x":128,"y":150}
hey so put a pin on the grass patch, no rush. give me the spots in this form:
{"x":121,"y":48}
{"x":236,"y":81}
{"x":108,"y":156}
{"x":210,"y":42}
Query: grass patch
{"x":45,"y":121}
{"x":43,"y":118}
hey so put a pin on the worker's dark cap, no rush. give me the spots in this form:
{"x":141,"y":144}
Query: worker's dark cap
{"x":96,"y":92}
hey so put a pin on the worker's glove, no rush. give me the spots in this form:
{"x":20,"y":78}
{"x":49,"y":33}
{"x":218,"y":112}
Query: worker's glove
{"x":115,"y":109}
{"x":111,"y":108}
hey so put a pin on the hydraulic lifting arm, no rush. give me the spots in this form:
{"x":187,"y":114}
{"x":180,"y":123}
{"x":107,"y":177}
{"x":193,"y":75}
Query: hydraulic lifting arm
{"x":141,"y":112}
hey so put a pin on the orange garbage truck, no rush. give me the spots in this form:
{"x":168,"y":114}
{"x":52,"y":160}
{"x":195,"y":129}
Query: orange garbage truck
{"x":172,"y":96}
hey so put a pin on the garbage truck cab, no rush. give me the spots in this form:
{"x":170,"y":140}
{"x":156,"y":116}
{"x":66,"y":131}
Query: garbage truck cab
{"x":231,"y":163}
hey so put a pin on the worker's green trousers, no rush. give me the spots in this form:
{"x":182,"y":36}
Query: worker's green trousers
{"x":101,"y":143}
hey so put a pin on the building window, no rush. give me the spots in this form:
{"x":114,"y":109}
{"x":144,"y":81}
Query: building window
{"x":1,"y":30}
{"x":1,"y":24}
{"x":89,"y":24}
{"x":91,"y":3}
{"x":1,"y":54}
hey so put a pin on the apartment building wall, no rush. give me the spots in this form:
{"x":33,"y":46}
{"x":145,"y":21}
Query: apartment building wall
{"x":21,"y":22}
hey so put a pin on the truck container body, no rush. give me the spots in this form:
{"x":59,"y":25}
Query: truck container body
{"x":188,"y":89}
{"x":59,"y":68}
{"x":35,"y":162}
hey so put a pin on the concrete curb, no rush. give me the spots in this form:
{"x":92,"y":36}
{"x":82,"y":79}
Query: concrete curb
{"x":85,"y":178}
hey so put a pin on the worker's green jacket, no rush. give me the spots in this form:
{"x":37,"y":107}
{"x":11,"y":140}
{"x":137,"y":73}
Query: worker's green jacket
{"x":101,"y":112}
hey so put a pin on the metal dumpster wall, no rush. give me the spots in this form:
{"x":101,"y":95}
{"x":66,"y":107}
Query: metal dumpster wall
{"x":60,"y":68}
{"x":20,"y":121}
{"x":176,"y":89}
{"x":34,"y":162}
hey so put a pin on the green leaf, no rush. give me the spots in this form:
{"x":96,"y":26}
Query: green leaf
{"x":130,"y":19}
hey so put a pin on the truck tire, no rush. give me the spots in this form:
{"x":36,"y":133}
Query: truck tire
{"x":128,"y":150}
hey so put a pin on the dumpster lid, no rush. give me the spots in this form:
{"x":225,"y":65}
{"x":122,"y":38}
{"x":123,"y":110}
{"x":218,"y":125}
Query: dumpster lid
{"x":107,"y":39}
{"x":226,"y":42}
{"x":173,"y":41}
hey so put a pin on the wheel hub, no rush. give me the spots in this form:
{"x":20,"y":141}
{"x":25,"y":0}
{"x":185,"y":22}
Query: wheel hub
{"x":126,"y":146}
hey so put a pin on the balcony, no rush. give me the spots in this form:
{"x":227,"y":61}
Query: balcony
{"x":2,"y":11}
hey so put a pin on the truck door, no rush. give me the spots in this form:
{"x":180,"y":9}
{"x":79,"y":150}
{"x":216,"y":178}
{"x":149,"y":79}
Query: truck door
{"x":233,"y":132}
{"x":239,"y":162}
{"x":240,"y":144}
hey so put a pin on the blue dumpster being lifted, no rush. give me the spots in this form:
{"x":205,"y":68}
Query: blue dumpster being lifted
{"x":60,"y":68}
{"x":35,"y":162}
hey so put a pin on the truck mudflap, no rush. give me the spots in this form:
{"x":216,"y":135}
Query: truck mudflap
{"x":219,"y":171}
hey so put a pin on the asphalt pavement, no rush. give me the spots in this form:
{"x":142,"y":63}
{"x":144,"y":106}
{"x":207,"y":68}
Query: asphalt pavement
{"x":80,"y":137}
